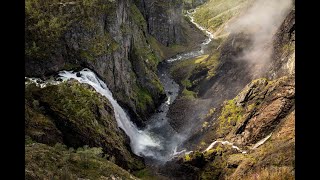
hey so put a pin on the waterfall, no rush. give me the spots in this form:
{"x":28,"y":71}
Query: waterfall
{"x":140,"y":140}
{"x":158,"y":141}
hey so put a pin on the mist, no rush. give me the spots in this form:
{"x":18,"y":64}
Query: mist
{"x":259,"y":23}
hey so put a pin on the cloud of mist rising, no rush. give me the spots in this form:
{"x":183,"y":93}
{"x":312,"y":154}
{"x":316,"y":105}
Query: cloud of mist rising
{"x":260,"y":22}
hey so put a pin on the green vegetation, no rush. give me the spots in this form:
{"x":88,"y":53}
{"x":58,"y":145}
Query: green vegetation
{"x":74,"y":100}
{"x":289,"y":48}
{"x":164,"y":52}
{"x":28,"y":140}
{"x":211,"y":162}
{"x":145,"y":64}
{"x":99,"y":46}
{"x":58,"y":162}
{"x":159,"y":49}
{"x":231,"y":115}
{"x":194,"y":156}
{"x":189,"y":94}
{"x":79,"y":114}
{"x":210,"y":63}
{"x":146,"y":54}
{"x":211,"y":111}
{"x":144,"y":99}
{"x":138,"y":17}
{"x":177,"y":47}
{"x":214,"y":14}
{"x":181,"y":72}
{"x":39,"y":126}
{"x":204,"y":125}
{"x":47,"y":21}
{"x":187,"y":157}
{"x":144,"y":174}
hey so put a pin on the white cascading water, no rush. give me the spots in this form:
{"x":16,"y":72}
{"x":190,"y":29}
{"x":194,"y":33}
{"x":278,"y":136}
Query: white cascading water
{"x":140,"y":140}
{"x":158,"y":141}
{"x":224,"y":143}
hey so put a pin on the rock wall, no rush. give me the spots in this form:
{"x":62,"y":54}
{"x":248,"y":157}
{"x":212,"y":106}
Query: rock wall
{"x":164,"y":20}
{"x":106,"y":36}
{"x":283,"y":58}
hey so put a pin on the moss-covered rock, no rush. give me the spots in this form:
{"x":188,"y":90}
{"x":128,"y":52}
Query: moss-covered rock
{"x":230,"y":116}
{"x":59,"y":162}
{"x":39,"y":126}
{"x":78,"y":116}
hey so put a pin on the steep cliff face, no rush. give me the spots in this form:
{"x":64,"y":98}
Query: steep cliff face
{"x":259,"y":125}
{"x":232,"y":61}
{"x":283,"y":57}
{"x":109,"y":37}
{"x":75,"y":115}
{"x":248,"y":131}
{"x":189,"y":4}
{"x":164,"y":20}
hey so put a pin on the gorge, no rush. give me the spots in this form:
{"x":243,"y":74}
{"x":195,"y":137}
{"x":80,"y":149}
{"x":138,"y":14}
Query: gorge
{"x":160,"y":89}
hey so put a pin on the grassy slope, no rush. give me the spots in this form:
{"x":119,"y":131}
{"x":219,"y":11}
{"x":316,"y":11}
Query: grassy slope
{"x":215,"y":14}
{"x":58,"y":162}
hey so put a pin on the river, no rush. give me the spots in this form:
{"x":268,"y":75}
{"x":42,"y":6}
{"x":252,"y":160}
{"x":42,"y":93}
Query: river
{"x":157,"y":142}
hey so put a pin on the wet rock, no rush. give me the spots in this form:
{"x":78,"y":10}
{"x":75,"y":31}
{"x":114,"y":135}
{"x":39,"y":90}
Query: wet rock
{"x":78,"y":74}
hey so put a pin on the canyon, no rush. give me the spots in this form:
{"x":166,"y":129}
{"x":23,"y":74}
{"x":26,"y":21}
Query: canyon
{"x":146,"y":89}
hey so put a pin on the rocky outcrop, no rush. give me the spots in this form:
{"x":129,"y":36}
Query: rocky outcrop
{"x":263,"y":110}
{"x":273,"y":103}
{"x":262,"y":106}
{"x":75,"y":115}
{"x":106,"y":36}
